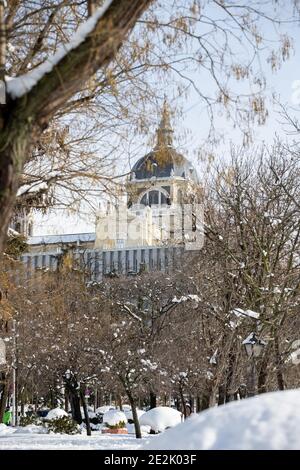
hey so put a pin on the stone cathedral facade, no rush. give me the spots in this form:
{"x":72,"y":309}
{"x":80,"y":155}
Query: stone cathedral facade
{"x":146,"y":229}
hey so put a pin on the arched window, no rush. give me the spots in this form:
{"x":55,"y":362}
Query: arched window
{"x":154,"y":197}
{"x":163,"y":198}
{"x":144,"y":200}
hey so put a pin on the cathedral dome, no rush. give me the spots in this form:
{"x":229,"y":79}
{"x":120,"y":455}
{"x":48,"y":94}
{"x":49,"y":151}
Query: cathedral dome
{"x":164,"y":161}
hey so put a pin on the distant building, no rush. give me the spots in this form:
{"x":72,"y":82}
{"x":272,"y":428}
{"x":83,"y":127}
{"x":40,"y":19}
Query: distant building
{"x":147,"y":230}
{"x":55,"y":243}
{"x":162,"y":187}
{"x":30,"y":196}
{"x":22,"y":222}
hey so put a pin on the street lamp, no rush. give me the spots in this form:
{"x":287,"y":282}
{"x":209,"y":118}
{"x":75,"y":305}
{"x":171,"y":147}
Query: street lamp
{"x":254,"y":347}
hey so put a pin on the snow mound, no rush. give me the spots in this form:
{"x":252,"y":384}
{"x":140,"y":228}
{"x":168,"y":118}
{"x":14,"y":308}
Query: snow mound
{"x":128,"y":414}
{"x":113,"y":417}
{"x":161,"y":418}
{"x":144,"y":429}
{"x":6,"y":429}
{"x":265,"y":422}
{"x":103,"y":409}
{"x":56,"y":413}
{"x":31,"y":429}
{"x":126,"y":407}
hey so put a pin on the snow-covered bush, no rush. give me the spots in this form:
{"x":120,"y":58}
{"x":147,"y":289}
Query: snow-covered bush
{"x":265,"y":422}
{"x":56,"y":413}
{"x":63,"y":425}
{"x":161,"y":418}
{"x":126,"y":407}
{"x":114,"y":419}
{"x":128,"y":414}
{"x":30,"y":420}
{"x":102,"y":409}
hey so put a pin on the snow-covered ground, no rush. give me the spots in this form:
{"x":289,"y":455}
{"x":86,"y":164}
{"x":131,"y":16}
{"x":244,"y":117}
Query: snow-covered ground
{"x":98,"y":441}
{"x":266,"y":422}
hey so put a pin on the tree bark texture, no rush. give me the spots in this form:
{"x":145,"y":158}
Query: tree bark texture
{"x":22,"y":120}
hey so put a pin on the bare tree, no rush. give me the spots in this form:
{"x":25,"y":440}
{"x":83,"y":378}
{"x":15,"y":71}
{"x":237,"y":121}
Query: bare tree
{"x":26,"y":114}
{"x":45,"y":103}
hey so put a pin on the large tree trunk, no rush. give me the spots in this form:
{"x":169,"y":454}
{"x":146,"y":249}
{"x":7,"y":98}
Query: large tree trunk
{"x":137,"y":426}
{"x":278,"y":362}
{"x":222,"y":395}
{"x":120,"y":402}
{"x":73,"y":391}
{"x":66,"y":401}
{"x":13,"y":151}
{"x":203,"y":402}
{"x":86,"y":413}
{"x":183,"y":404}
{"x":75,"y":407}
{"x":230,"y":375}
{"x":2,"y":40}
{"x":263,"y":370}
{"x":22,"y":119}
{"x":153,"y":400}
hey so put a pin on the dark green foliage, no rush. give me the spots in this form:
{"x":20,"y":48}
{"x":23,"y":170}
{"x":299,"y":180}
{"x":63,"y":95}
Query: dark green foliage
{"x":63,"y":425}
{"x":27,"y":420}
{"x":119,"y":425}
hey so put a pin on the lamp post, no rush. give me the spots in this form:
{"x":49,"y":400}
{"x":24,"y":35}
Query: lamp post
{"x":254,"y":347}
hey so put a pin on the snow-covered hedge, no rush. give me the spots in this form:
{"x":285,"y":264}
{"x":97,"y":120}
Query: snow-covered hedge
{"x":56,"y":413}
{"x":114,"y":419}
{"x":63,"y":425}
{"x":161,"y":418}
{"x":266,"y":422}
{"x":30,"y":420}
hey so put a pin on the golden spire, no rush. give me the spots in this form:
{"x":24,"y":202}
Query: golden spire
{"x":165,"y":131}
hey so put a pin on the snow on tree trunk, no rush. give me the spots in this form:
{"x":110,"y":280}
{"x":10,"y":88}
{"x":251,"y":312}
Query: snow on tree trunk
{"x":34,"y":98}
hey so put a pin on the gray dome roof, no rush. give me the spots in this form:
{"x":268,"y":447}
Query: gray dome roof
{"x":170,"y":164}
{"x":164,"y":161}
